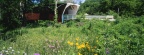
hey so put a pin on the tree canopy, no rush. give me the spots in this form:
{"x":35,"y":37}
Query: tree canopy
{"x":11,"y":10}
{"x":122,"y":7}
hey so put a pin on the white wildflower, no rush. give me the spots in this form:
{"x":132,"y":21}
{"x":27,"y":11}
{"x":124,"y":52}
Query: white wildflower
{"x":3,"y":50}
{"x":3,"y":47}
{"x":10,"y":47}
{"x":12,"y":50}
{"x":18,"y":51}
{"x":6,"y":51}
{"x":24,"y":53}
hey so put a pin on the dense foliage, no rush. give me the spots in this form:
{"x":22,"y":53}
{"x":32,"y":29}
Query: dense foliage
{"x":12,"y":17}
{"x":122,"y":7}
{"x":84,"y":37}
{"x":10,"y":13}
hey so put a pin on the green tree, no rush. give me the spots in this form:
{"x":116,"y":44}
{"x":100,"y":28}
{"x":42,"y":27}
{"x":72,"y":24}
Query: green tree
{"x":89,"y":7}
{"x":122,"y":7}
{"x":140,"y":8}
{"x":10,"y":11}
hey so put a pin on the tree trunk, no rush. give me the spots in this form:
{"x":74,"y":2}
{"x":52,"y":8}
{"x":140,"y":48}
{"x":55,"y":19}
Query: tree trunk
{"x":55,"y":10}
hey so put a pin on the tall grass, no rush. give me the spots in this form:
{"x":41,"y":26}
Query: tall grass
{"x":85,"y":37}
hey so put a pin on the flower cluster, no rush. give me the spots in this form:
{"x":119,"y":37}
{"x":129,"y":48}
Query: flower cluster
{"x":83,"y":48}
{"x":53,"y":46}
{"x":9,"y":51}
{"x":36,"y":54}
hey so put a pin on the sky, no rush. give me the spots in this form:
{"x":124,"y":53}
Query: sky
{"x":78,"y":1}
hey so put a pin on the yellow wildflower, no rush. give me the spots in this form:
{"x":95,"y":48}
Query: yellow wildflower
{"x":79,"y":53}
{"x":87,"y":43}
{"x":88,"y":47}
{"x":77,"y":44}
{"x":77,"y":39}
{"x":78,"y":47}
{"x":81,"y":46}
{"x":97,"y":41}
{"x":70,"y":43}
{"x":95,"y":54}
{"x":93,"y":50}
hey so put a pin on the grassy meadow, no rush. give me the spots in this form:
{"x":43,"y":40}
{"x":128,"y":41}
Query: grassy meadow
{"x":81,"y":37}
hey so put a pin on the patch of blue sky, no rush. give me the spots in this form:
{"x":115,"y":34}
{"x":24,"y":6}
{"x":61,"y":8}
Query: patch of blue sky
{"x":36,"y":1}
{"x":79,"y":1}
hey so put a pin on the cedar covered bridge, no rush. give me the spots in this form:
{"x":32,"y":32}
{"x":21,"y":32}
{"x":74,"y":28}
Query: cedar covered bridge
{"x":65,"y":11}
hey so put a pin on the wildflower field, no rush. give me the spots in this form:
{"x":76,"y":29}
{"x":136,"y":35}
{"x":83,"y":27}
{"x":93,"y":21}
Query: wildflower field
{"x":80,"y":37}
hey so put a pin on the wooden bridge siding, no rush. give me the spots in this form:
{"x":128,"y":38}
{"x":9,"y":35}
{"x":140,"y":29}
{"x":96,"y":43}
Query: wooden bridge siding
{"x":46,"y":13}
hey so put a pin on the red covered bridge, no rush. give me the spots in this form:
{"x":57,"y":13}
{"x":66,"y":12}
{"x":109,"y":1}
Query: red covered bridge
{"x":66,"y":11}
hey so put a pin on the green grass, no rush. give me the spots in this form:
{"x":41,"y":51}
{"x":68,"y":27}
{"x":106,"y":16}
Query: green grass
{"x":122,"y":37}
